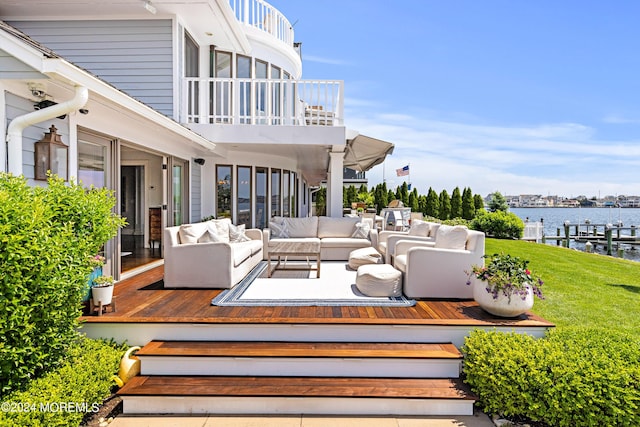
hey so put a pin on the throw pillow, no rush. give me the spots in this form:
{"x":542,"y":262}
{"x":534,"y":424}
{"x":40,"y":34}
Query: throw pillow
{"x":236,"y":233}
{"x":361,"y":230}
{"x":278,"y":230}
{"x":210,"y":236}
{"x":190,"y":233}
{"x":419,"y":228}
{"x":222,"y":226}
{"x":449,"y":237}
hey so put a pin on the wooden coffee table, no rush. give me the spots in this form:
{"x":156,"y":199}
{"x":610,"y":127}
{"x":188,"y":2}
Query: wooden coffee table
{"x":286,"y":249}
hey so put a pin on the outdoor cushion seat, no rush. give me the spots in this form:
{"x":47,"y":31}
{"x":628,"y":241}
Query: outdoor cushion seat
{"x":364,"y":256}
{"x":244,"y":250}
{"x":379,"y":280}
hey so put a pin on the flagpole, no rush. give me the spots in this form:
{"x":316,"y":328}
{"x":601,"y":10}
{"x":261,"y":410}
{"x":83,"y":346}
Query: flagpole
{"x":383,"y":177}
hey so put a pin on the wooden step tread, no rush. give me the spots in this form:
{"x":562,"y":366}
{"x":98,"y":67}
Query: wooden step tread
{"x":296,"y":387}
{"x":300,"y":349}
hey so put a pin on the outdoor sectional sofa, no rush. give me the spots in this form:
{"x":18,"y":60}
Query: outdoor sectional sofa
{"x":210,"y":254}
{"x":337,"y":236}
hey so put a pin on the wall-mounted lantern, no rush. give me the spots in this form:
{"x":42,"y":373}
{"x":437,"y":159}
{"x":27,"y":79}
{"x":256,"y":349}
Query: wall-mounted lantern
{"x":51,"y":155}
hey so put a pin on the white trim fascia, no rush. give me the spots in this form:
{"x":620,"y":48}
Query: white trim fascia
{"x":234,"y":25}
{"x":73,"y":75}
{"x":29,"y":55}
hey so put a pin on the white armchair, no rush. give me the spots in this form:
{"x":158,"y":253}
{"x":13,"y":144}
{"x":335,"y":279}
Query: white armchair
{"x":422,"y":231}
{"x":433,"y":270}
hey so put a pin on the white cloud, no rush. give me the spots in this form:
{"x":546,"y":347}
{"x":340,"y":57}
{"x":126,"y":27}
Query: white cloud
{"x":563,"y":158}
{"x":323,"y":60}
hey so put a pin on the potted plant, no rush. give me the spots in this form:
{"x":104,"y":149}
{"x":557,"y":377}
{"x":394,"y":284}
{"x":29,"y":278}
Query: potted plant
{"x":102,"y":290}
{"x":504,"y":286}
{"x":97,"y":262}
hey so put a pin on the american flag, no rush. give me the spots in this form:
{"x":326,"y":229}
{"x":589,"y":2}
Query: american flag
{"x":403,"y":171}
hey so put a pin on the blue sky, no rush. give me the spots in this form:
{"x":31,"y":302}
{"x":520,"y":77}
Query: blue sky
{"x":521,"y":97}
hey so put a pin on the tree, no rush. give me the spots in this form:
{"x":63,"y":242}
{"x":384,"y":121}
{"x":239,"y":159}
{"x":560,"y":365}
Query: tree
{"x":414,"y":201}
{"x":321,"y":201}
{"x":404,"y":193}
{"x":380,"y":196}
{"x":478,"y":203}
{"x":445,"y":206}
{"x":498,"y":202}
{"x":468,"y":208}
{"x":432,"y":204}
{"x":456,"y":203}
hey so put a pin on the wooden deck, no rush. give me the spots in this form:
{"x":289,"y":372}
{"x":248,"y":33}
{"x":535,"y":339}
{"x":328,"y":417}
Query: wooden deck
{"x":141,"y":299}
{"x":365,"y":360}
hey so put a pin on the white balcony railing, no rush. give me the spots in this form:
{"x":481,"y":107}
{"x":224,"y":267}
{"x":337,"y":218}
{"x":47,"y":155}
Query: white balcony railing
{"x":261,"y":15}
{"x":262,"y":101}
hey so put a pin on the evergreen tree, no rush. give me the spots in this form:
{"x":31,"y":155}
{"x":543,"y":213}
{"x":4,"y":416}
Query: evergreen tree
{"x":380,"y":196}
{"x":362,"y":189}
{"x":468,"y":208}
{"x":422,"y":204}
{"x":413,"y":201}
{"x":444,"y":212}
{"x":390,"y":196}
{"x":456,"y":204}
{"x":498,"y":202}
{"x":404,"y":193}
{"x":432,"y":207}
{"x":478,"y":203}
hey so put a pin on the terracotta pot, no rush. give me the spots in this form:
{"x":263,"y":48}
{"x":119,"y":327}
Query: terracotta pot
{"x":501,"y":306}
{"x":102,"y":294}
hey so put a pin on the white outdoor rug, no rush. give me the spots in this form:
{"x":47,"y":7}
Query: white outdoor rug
{"x":335,"y":287}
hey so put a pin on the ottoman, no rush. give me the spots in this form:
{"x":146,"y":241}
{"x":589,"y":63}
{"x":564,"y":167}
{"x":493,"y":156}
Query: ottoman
{"x":379,"y":280}
{"x":364,"y":256}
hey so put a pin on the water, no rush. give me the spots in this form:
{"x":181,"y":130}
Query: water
{"x":555,"y":218}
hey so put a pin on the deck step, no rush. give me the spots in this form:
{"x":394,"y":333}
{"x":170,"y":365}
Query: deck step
{"x":335,"y":359}
{"x":295,"y":395}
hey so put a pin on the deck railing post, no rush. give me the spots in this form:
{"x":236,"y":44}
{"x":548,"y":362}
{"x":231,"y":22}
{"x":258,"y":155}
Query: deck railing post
{"x":608,"y":231}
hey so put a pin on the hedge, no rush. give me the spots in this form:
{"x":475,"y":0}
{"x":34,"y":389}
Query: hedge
{"x":63,"y":396}
{"x":47,"y":236}
{"x":572,"y":377}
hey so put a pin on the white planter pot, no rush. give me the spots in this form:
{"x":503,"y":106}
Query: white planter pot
{"x":102,"y":294}
{"x":501,"y":306}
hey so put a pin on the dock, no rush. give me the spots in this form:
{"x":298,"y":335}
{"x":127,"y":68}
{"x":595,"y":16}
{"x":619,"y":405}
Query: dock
{"x":607,"y":235}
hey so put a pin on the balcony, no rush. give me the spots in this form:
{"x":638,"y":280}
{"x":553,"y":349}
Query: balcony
{"x":261,"y":15}
{"x":263,"y":102}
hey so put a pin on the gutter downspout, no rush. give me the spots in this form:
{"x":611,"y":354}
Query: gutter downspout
{"x":17,"y":126}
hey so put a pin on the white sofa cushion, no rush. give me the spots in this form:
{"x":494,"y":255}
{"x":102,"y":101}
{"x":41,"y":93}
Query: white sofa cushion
{"x":361,"y":231}
{"x":451,"y":237}
{"x":344,"y":242}
{"x":236,"y":233}
{"x":419,"y":228}
{"x":191,"y":233}
{"x":336,"y":227}
{"x":278,"y":230}
{"x":222,"y":226}
{"x":301,"y":227}
{"x":210,"y":236}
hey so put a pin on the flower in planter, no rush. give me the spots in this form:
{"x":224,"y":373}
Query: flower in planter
{"x":103,"y":281}
{"x":507,"y":275}
{"x":96,"y":261}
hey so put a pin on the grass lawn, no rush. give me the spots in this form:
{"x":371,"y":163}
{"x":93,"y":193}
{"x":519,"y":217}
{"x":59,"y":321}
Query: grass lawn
{"x":581,"y":289}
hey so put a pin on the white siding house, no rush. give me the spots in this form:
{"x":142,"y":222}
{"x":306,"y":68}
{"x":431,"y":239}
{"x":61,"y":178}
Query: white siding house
{"x":196,"y":108}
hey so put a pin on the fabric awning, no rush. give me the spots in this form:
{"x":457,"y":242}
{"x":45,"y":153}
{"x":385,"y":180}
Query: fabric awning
{"x":363,"y":152}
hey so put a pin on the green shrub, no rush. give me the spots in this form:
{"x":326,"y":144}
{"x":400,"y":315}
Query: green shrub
{"x":573,"y":377}
{"x":499,"y":224}
{"x":81,"y":383}
{"x":47,"y":236}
